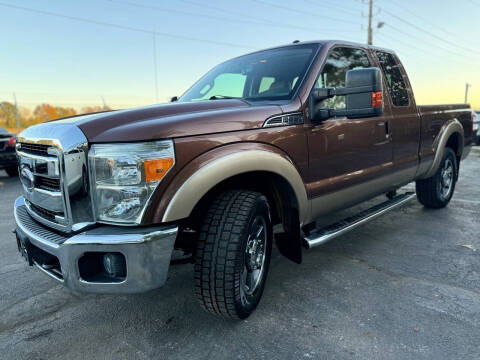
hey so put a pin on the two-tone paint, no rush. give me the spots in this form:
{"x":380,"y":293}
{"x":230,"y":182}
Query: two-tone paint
{"x":329,"y":165}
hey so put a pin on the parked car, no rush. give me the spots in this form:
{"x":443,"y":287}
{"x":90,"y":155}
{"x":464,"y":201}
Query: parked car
{"x":476,"y":127}
{"x":283,"y":136}
{"x":8,"y":157}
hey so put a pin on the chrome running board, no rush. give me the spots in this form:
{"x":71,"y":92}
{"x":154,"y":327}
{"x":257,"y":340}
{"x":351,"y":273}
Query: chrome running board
{"x":321,"y":236}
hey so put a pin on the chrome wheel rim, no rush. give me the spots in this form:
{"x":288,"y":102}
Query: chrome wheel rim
{"x":255,"y":253}
{"x":446,"y":178}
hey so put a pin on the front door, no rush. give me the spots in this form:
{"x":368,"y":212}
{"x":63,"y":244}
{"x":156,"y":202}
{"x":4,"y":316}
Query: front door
{"x":344,"y":152}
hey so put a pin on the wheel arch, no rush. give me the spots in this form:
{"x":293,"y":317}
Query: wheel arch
{"x":452,"y":136}
{"x":240,"y":166}
{"x":278,"y":191}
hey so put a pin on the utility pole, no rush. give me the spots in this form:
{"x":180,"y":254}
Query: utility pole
{"x":155,"y":71}
{"x":370,"y":31}
{"x":467,"y":85}
{"x":104,"y":104}
{"x":16,"y":114}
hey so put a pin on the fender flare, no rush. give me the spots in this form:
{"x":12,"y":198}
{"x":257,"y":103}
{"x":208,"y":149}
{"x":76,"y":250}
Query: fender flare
{"x":452,"y":127}
{"x":208,"y":176}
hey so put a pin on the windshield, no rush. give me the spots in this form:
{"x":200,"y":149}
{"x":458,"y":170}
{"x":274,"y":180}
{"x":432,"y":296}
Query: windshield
{"x":265,"y":75}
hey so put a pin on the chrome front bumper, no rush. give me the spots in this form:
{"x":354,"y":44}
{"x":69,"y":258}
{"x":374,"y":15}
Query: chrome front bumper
{"x":147,"y":252}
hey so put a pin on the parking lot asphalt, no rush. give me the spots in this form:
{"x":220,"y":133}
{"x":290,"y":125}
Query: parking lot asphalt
{"x":405,"y":286}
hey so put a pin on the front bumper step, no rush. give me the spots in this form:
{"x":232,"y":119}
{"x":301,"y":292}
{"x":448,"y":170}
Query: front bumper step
{"x":147,"y":253}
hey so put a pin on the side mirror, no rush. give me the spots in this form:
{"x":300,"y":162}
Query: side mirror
{"x":363,"y":93}
{"x":173,"y":99}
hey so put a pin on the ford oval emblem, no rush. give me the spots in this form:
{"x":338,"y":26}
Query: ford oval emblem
{"x":27,"y":179}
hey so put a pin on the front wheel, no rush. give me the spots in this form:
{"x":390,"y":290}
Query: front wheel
{"x":233,"y":254}
{"x":436,"y":191}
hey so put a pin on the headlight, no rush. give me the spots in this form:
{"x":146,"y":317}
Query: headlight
{"x":124,"y":176}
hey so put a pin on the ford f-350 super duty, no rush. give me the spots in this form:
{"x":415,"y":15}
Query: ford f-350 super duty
{"x":283,"y":136}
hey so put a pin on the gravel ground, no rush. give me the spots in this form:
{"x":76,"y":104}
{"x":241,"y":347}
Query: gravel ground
{"x":405,"y":286}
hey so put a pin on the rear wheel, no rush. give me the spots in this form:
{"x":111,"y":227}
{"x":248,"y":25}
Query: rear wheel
{"x":12,"y":172}
{"x":233,"y":254}
{"x":436,"y":191}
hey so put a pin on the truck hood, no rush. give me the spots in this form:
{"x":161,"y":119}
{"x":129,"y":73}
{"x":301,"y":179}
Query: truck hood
{"x":173,"y":120}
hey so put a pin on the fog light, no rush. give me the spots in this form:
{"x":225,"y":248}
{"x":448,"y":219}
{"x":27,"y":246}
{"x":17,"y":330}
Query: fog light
{"x":115,"y":265}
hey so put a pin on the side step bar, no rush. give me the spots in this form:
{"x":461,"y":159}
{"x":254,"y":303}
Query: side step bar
{"x":321,"y":236}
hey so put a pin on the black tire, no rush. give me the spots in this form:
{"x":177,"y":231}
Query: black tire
{"x":12,"y":172}
{"x":429,"y":191}
{"x":221,"y":260}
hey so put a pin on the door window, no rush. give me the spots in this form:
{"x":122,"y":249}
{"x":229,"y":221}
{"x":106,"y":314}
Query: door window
{"x":338,"y":62}
{"x":393,"y":75}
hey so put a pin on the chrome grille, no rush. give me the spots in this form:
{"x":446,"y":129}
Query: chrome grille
{"x":47,"y":214}
{"x":49,"y":184}
{"x":53,"y":168}
{"x":36,"y":149}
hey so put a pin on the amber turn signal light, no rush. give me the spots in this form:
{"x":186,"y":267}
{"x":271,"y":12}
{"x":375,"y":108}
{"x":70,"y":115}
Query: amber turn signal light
{"x":377,"y":99}
{"x":156,"y":169}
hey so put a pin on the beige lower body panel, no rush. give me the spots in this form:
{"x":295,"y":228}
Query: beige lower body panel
{"x":356,"y":194}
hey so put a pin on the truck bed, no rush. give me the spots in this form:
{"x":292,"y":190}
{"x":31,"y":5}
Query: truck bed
{"x":434,"y":117}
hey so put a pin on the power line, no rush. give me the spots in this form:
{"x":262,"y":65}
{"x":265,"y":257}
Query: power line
{"x":414,"y":14}
{"x":260,"y":21}
{"x":333,"y":7}
{"x":225,"y":11}
{"x":417,"y":28}
{"x":181,"y":12}
{"x":423,"y":41}
{"x":124,"y":27}
{"x":425,"y":31}
{"x":404,"y":43}
{"x":303,"y":12}
{"x":417,"y":52}
{"x":433,"y":25}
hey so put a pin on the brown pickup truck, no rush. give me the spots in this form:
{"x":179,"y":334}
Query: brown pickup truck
{"x":283,"y":136}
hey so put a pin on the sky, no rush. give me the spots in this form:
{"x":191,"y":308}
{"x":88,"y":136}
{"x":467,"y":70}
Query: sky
{"x":73,"y":53}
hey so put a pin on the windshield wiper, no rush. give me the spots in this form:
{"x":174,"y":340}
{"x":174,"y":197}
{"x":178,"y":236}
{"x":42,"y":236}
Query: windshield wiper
{"x":219,"y":97}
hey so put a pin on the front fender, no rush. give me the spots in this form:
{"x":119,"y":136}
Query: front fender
{"x":215,"y":166}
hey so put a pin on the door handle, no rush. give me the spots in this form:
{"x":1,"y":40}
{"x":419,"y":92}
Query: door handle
{"x":384,"y":124}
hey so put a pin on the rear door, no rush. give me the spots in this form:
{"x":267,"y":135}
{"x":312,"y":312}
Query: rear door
{"x":405,"y":121}
{"x":344,"y":152}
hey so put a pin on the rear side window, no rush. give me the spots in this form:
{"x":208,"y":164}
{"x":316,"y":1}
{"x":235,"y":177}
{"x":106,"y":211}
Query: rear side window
{"x":393,"y":75}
